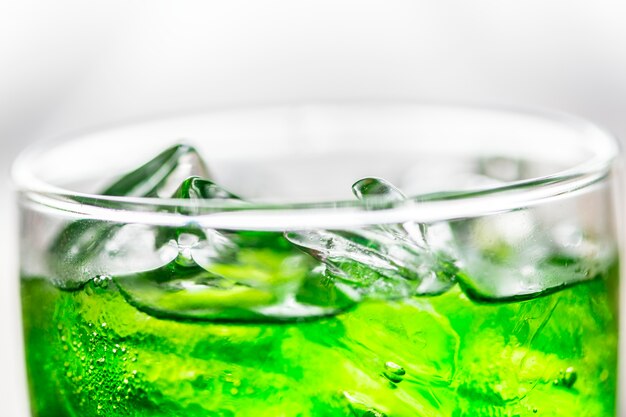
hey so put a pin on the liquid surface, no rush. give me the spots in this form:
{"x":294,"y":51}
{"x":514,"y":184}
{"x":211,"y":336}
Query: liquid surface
{"x":90,"y":353}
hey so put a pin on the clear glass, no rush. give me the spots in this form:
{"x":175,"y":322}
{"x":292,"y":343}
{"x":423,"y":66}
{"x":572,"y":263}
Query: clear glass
{"x":485,"y":284}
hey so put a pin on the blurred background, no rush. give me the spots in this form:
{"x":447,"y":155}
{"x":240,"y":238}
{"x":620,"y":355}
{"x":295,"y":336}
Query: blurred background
{"x":68,"y":64}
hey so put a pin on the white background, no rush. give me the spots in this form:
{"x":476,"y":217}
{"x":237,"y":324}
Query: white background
{"x":69,"y":64}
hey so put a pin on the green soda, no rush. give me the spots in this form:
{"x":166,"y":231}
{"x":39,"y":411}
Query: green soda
{"x":314,"y":324}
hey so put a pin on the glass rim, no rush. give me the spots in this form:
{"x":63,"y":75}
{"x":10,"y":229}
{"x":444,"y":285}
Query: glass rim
{"x":228,"y":214}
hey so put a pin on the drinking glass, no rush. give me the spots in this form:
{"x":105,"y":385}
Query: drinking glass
{"x":353,"y":259}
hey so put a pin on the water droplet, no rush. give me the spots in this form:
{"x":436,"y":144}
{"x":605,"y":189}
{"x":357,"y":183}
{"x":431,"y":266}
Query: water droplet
{"x":101,"y":281}
{"x":394,"y":372}
{"x":186,"y":242}
{"x":100,"y":361}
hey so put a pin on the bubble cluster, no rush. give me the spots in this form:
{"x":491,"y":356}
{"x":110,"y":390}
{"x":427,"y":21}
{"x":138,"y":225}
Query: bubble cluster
{"x":567,"y":378}
{"x":95,"y":367}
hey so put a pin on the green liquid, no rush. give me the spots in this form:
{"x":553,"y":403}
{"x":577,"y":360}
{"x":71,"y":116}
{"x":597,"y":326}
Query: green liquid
{"x":90,"y":353}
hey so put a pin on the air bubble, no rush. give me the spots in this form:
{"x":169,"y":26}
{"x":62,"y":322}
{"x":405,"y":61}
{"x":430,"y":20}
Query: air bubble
{"x":569,"y":377}
{"x":394,"y":372}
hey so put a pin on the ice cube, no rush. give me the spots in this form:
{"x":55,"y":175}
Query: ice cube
{"x":509,"y":256}
{"x":392,"y":260}
{"x":182,"y":288}
{"x":201,"y":297}
{"x":230,"y":275}
{"x":195,"y":187}
{"x":257,"y":286}
{"x":369,"y":187}
{"x":162,"y":175}
{"x":79,"y":252}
